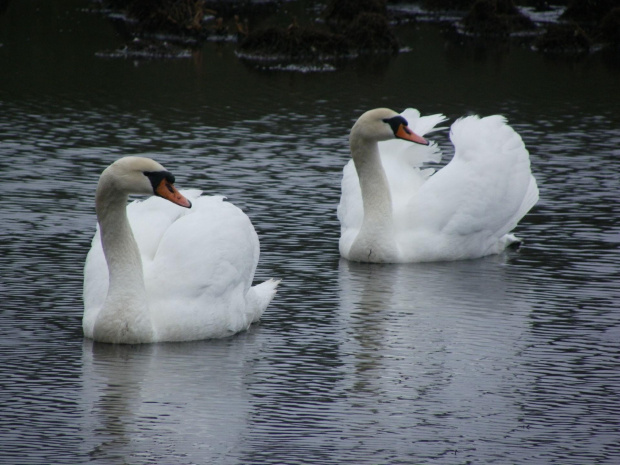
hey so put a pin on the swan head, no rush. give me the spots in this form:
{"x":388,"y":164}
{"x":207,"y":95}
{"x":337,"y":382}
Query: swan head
{"x":383,"y":124}
{"x":139,"y":175}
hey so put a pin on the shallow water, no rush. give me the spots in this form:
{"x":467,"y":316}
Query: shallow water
{"x":507,"y":359}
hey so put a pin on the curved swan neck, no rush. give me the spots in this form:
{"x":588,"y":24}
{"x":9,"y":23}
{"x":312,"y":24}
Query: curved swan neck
{"x":373,"y":181}
{"x":119,"y":245}
{"x":375,"y":241}
{"x":124,"y":316}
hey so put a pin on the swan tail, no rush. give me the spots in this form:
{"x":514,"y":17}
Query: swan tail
{"x":261,"y":295}
{"x":507,"y":241}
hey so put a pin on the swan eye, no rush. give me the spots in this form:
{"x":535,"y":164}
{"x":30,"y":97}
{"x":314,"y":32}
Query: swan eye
{"x":396,"y":123}
{"x":156,"y":177}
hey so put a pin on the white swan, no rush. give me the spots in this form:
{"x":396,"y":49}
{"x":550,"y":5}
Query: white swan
{"x":392,"y":210}
{"x":157,"y":272}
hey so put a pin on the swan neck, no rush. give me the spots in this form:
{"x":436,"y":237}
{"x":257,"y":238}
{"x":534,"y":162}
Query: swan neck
{"x":119,"y":245}
{"x":124,"y":316}
{"x":373,"y":182}
{"x":375,"y":241}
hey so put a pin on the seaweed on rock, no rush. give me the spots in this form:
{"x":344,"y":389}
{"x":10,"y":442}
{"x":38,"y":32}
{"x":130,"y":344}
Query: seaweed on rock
{"x":353,"y":28}
{"x":370,"y":32}
{"x":496,"y":18}
{"x":345,"y":11}
{"x":448,"y":4}
{"x":610,"y":28}
{"x":174,"y":16}
{"x":589,"y":11}
{"x":563,"y":38}
{"x":294,"y":43}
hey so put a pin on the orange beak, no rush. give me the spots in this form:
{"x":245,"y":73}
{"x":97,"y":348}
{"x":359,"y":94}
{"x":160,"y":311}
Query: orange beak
{"x":167,"y":191}
{"x":407,"y":134}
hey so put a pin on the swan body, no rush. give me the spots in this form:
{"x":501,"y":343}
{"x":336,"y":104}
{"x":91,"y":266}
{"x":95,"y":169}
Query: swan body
{"x":158,"y":272}
{"x":395,"y":210}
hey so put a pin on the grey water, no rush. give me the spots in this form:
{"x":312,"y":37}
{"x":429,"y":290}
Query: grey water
{"x":510,"y":359}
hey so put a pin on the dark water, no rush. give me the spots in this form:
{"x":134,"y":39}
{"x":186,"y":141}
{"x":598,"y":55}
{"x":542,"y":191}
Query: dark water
{"x":508,"y":359}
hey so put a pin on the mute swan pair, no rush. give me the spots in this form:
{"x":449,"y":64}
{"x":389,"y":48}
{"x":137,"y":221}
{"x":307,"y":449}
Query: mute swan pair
{"x":392,"y":210}
{"x":158,"y":272}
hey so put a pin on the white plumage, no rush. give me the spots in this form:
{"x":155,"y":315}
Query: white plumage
{"x":392,"y":209}
{"x":198,"y":265}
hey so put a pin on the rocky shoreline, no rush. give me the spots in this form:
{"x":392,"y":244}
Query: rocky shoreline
{"x":271,"y":33}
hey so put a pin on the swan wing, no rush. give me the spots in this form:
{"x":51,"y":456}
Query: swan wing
{"x":95,"y":284}
{"x":350,"y":209}
{"x":150,"y":219}
{"x":477,"y":198}
{"x":200,"y":278}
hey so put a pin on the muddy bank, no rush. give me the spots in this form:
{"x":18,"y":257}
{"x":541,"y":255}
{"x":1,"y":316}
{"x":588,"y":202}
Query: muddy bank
{"x":307,"y":32}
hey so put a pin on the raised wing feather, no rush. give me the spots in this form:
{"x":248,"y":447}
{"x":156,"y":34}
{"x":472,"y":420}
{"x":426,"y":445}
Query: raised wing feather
{"x":485,"y":189}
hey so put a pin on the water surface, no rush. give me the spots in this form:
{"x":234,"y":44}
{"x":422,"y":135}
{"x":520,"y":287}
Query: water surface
{"x":507,"y":359}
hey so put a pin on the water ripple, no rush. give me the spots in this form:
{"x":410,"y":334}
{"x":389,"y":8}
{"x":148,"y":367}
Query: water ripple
{"x":508,"y":359}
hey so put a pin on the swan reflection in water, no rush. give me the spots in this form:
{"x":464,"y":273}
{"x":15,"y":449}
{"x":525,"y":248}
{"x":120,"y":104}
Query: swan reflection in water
{"x":434,"y":337}
{"x":159,"y":400}
{"x":420,"y":350}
